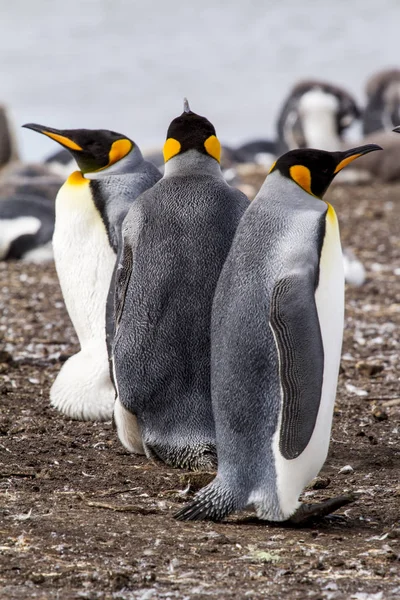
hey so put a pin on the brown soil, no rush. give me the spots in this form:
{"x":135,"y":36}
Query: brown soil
{"x":81,"y":518}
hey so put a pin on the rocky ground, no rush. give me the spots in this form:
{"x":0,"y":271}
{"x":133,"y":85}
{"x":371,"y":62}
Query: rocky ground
{"x":83,"y":519}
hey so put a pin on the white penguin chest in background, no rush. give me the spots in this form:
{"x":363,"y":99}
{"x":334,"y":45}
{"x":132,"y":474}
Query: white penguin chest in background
{"x":83,"y":256}
{"x":294,"y":475}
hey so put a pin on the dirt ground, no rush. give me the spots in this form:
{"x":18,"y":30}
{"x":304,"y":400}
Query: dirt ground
{"x":81,"y":518}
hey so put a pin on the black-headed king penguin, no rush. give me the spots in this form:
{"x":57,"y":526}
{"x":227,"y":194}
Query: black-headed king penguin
{"x":90,"y":208}
{"x":175,"y":240}
{"x":276,"y":337}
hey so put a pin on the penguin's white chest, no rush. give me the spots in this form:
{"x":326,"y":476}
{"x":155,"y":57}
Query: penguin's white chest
{"x":294,"y":475}
{"x":84,"y":258}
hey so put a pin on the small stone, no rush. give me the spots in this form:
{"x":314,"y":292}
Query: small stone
{"x":320,"y":483}
{"x":346,"y":469}
{"x":352,"y":389}
{"x":319,"y":566}
{"x":337,"y":562}
{"x":37,"y":578}
{"x":119,"y":582}
{"x":369,"y":369}
{"x":394,"y":534}
{"x":5,"y":357}
{"x":379,"y":414}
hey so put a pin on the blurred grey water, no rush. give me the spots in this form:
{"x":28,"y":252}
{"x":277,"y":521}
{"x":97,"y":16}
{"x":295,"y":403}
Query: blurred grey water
{"x":126,"y":65}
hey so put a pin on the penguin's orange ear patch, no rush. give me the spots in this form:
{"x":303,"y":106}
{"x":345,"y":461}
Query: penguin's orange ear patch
{"x":171,"y":148}
{"x":302,"y":176}
{"x":213,"y":147}
{"x":119,"y":149}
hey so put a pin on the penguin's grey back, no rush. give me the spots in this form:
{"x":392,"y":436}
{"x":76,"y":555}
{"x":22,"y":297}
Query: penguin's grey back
{"x":270,"y":243}
{"x":113,"y":196}
{"x":176,"y":238}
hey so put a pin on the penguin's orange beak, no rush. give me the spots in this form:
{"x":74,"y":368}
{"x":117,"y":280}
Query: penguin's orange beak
{"x":348,"y":156}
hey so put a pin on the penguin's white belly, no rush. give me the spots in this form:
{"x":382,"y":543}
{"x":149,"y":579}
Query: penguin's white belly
{"x":293,"y":475}
{"x":84,"y":260}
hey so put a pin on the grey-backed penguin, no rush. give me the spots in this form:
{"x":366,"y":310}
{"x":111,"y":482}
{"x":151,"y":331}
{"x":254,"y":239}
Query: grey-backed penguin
{"x":316,"y":114}
{"x":175,"y":240}
{"x":8,"y":142}
{"x":90,"y":208}
{"x":276,"y":338}
{"x":382,"y":111}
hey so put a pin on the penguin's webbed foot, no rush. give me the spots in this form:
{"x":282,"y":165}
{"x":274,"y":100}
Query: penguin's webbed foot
{"x":310,"y":512}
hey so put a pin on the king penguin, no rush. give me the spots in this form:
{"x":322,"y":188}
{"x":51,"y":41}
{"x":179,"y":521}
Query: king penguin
{"x":90,"y":208}
{"x":175,"y":240}
{"x":276,"y":337}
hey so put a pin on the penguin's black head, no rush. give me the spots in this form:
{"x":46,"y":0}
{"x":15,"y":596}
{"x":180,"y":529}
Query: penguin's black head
{"x":93,"y":149}
{"x":191,"y":132}
{"x":314,"y":170}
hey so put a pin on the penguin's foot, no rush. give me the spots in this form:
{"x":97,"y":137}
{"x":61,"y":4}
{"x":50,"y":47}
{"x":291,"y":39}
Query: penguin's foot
{"x":83,"y":389}
{"x":309,"y":512}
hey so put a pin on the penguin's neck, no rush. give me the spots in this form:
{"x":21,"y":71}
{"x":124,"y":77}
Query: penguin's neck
{"x":318,"y":112}
{"x":128,"y":164}
{"x":282,"y":190}
{"x":192,"y":162}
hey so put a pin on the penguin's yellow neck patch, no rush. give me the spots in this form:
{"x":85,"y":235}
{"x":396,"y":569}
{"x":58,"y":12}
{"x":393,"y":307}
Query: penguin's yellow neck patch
{"x":61,"y":139}
{"x":76,"y":178}
{"x":331,"y":215}
{"x":213,"y":147}
{"x":346,"y":161}
{"x":302,"y":176}
{"x":272,"y":167}
{"x":171,"y":148}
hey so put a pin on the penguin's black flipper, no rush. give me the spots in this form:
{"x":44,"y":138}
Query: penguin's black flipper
{"x":213,"y":503}
{"x":309,"y":512}
{"x":125,"y":260}
{"x":122,"y":273}
{"x":295,"y":324}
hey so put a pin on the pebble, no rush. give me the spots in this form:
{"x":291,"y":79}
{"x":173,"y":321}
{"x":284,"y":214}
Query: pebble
{"x":352,"y":389}
{"x":320,"y":483}
{"x":369,"y":369}
{"x":379,"y":414}
{"x":346,"y":469}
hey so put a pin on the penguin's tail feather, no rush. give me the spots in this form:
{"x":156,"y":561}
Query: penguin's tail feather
{"x":214,"y":502}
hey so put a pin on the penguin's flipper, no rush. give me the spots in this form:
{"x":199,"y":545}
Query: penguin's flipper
{"x":309,"y":512}
{"x":295,"y":325}
{"x":213,"y":503}
{"x":130,"y":238}
{"x":122,"y":275}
